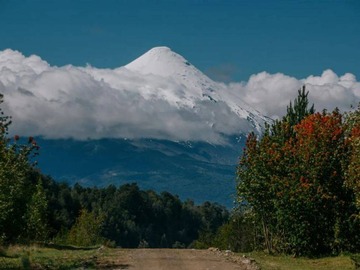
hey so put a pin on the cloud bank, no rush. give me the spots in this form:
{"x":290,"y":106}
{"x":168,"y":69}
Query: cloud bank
{"x":271,"y":93}
{"x":86,"y":102}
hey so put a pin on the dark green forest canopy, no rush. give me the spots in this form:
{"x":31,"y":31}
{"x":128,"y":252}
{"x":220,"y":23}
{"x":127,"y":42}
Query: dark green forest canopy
{"x":130,"y":217}
{"x":133,"y":216}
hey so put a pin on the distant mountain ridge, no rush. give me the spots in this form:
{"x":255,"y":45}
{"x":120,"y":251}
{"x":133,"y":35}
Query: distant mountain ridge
{"x":192,"y":170}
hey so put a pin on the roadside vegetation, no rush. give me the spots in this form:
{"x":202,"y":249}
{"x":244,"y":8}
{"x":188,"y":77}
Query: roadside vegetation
{"x":299,"y":182}
{"x":62,"y":257}
{"x":286,"y":262}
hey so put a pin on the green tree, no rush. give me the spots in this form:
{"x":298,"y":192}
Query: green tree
{"x":238,"y":234}
{"x":295,"y":114}
{"x":87,"y":229}
{"x":15,"y":190}
{"x":36,"y":215}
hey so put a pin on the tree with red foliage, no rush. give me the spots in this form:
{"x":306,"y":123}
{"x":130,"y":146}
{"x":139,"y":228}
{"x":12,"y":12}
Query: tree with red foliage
{"x":263,"y":167}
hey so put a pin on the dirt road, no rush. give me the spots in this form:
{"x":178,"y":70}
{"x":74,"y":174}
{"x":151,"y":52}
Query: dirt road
{"x":179,"y":259}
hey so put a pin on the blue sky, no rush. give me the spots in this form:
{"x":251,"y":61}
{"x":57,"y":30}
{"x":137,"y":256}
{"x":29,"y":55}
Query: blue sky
{"x":228,"y":40}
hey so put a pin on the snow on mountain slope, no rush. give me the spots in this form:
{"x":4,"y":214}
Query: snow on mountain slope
{"x":162,"y":61}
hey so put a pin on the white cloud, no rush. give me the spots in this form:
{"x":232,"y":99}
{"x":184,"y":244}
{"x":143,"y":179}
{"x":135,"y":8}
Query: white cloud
{"x":268,"y":93}
{"x":329,"y":91}
{"x":85,"y":102}
{"x":271,"y":93}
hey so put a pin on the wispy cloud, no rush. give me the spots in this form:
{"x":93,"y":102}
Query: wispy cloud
{"x":86,"y":102}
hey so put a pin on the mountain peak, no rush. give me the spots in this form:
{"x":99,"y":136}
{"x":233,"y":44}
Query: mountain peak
{"x":160,"y":49}
{"x":193,"y":85}
{"x":161,"y":61}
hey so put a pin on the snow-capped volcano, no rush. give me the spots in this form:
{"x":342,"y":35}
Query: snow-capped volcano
{"x":162,"y":61}
{"x":160,"y":95}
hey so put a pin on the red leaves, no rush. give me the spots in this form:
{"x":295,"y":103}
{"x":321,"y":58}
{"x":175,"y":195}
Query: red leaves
{"x":322,"y":126}
{"x":304,"y":183}
{"x":318,"y":136}
{"x":355,"y":132}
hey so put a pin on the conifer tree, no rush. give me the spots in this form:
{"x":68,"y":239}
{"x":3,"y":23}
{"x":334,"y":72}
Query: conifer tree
{"x":300,"y":109}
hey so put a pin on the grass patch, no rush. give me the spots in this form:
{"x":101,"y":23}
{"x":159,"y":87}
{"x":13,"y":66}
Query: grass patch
{"x":270,"y":262}
{"x":33,"y":257}
{"x":63,"y":257}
